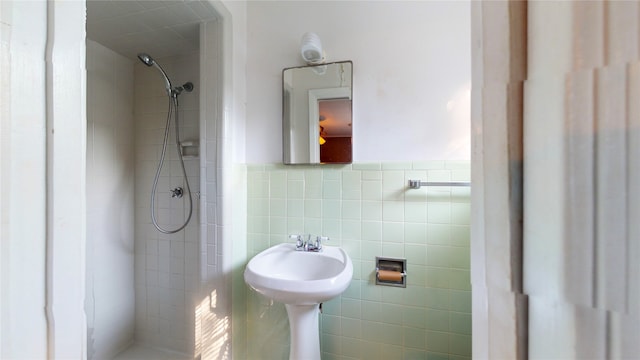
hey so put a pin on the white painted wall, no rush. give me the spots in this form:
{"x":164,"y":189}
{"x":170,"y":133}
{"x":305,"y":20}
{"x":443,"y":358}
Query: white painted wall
{"x":235,"y":39}
{"x":411,"y":72}
{"x":65,"y":55}
{"x":22,"y":177}
{"x":231,"y":189}
{"x":109,"y":302}
{"x":581,"y":151}
{"x":499,"y":308}
{"x":43,"y":167}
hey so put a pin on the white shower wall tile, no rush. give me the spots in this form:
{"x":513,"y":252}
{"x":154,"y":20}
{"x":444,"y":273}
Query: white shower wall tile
{"x":170,"y":266}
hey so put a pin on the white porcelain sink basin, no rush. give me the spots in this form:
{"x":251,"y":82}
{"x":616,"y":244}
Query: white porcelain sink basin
{"x":298,"y":277}
{"x":301,"y":280}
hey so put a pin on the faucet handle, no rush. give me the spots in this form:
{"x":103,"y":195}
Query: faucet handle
{"x":298,"y":240}
{"x":320,"y":240}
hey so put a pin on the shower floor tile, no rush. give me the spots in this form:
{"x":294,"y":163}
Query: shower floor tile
{"x":142,"y":352}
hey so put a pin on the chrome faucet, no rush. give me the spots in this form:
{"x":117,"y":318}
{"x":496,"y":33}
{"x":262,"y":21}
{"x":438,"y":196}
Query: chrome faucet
{"x":308,"y":245}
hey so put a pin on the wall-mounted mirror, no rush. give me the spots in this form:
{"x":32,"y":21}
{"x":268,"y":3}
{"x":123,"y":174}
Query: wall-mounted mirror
{"x":316,"y":114}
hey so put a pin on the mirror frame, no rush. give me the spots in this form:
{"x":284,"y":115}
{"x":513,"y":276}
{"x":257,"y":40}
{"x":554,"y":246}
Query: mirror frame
{"x":315,"y":95}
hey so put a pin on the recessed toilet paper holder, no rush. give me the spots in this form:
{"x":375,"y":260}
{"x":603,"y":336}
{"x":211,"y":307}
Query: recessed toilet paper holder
{"x":391,"y":271}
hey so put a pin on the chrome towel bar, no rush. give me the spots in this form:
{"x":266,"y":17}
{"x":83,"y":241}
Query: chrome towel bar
{"x":416,"y":184}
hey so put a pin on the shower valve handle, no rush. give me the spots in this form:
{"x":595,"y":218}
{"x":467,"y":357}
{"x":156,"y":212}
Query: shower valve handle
{"x":176,"y":193}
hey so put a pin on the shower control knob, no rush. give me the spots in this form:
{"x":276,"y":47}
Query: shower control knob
{"x":176,"y":193}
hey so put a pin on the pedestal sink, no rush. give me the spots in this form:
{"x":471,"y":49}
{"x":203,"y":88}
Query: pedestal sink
{"x":301,"y":280}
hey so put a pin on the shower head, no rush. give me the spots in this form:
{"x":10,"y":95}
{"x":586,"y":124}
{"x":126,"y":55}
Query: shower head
{"x":148,"y":60}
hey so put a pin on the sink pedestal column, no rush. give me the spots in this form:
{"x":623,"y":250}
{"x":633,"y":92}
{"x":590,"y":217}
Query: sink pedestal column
{"x":305,"y":334}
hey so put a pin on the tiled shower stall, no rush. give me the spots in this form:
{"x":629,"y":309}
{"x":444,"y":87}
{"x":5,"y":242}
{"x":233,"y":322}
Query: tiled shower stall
{"x":166,"y":264}
{"x":154,"y":299}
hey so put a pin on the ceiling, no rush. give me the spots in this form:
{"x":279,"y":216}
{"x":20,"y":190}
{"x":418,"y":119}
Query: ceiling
{"x":160,"y":28}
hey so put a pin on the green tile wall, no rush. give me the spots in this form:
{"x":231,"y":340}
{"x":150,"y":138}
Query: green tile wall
{"x":368,"y":210}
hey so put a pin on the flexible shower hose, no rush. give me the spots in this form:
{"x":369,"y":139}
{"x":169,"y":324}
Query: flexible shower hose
{"x":173,"y":108}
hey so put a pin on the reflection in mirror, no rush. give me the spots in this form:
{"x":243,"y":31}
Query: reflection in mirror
{"x":317,"y":116}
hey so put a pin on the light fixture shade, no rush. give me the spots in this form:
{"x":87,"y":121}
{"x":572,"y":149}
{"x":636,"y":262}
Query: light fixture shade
{"x":311,"y":48}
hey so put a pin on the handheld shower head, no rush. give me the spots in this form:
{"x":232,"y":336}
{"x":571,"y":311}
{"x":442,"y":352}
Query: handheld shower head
{"x":148,"y":60}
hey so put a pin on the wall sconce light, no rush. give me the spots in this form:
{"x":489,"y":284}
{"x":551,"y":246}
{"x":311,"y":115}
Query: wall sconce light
{"x":311,"y":49}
